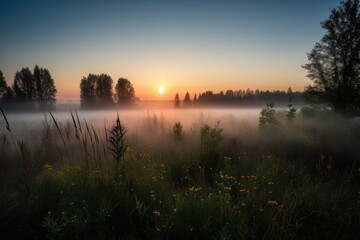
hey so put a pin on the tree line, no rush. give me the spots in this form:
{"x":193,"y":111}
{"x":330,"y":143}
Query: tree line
{"x":30,"y":90}
{"x":97,"y":91}
{"x":241,"y":98}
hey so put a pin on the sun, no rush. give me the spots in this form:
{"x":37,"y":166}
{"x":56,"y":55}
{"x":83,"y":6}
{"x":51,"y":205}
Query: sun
{"x":161,"y":90}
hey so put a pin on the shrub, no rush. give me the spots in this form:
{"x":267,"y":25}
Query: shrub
{"x":210,"y":139}
{"x":178,"y":132}
{"x":267,"y":119}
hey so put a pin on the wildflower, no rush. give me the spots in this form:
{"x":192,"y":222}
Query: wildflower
{"x":242,"y":190}
{"x":152,"y":195}
{"x":156,"y":213}
{"x":193,"y":189}
{"x":272,"y":202}
{"x":48,"y":167}
{"x":227,"y":188}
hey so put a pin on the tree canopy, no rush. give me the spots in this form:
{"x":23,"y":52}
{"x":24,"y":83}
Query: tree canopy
{"x":187,"y":99}
{"x":124,"y":91}
{"x":45,"y":89}
{"x":334,"y":62}
{"x":29,"y":91}
{"x":3,"y":86}
{"x":177,"y":100}
{"x":96,"y":91}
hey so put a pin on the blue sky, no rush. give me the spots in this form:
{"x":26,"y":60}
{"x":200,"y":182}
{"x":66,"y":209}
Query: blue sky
{"x":180,"y":45}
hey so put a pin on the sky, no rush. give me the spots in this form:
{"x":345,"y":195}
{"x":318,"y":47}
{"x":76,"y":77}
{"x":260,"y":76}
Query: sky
{"x":182,"y":46}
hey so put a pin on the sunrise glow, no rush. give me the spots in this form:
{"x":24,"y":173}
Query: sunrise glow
{"x":161,"y":90}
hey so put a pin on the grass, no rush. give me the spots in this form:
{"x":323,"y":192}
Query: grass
{"x":298,"y":181}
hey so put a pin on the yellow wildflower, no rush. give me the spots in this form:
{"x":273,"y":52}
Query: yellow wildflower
{"x":272,"y":202}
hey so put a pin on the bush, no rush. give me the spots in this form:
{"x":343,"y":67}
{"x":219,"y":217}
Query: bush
{"x":267,"y":118}
{"x":210,"y":138}
{"x":178,"y":132}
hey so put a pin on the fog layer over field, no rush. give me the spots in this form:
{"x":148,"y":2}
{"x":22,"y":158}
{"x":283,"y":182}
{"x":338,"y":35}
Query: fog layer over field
{"x":140,"y":121}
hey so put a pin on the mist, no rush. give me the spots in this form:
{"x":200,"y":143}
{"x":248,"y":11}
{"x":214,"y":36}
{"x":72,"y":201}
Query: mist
{"x":176,"y":158}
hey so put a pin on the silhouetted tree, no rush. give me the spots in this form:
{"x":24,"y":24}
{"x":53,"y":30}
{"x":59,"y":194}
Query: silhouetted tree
{"x":87,"y":91}
{"x":45,"y":89}
{"x":334,"y":62}
{"x":104,"y":90}
{"x":24,"y":87}
{"x":195,"y":99}
{"x":187,"y":99}
{"x":8,"y":97}
{"x":124,"y":91}
{"x":229,"y":93}
{"x":289,"y":91}
{"x":177,"y":100}
{"x":3,"y":86}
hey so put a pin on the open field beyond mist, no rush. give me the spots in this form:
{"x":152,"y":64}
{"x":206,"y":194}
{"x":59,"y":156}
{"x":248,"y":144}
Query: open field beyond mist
{"x":182,"y":174}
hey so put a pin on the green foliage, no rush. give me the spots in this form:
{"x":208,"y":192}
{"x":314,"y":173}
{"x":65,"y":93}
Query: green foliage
{"x":52,"y":226}
{"x":178,"y":132}
{"x":261,"y":191}
{"x":267,"y":119}
{"x":210,"y":159}
{"x":117,"y":146}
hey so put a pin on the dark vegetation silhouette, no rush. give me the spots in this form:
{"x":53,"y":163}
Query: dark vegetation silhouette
{"x":3,"y":86}
{"x":210,"y":151}
{"x":267,"y":119}
{"x":177,"y":100}
{"x":96,"y":91}
{"x":243,"y":98}
{"x":117,"y":147}
{"x":30,"y":91}
{"x":124,"y":91}
{"x":178,"y":132}
{"x":187,"y":100}
{"x":334,"y":62}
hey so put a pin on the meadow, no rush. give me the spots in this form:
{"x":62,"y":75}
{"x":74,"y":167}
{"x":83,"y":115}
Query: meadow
{"x":179,"y":174}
